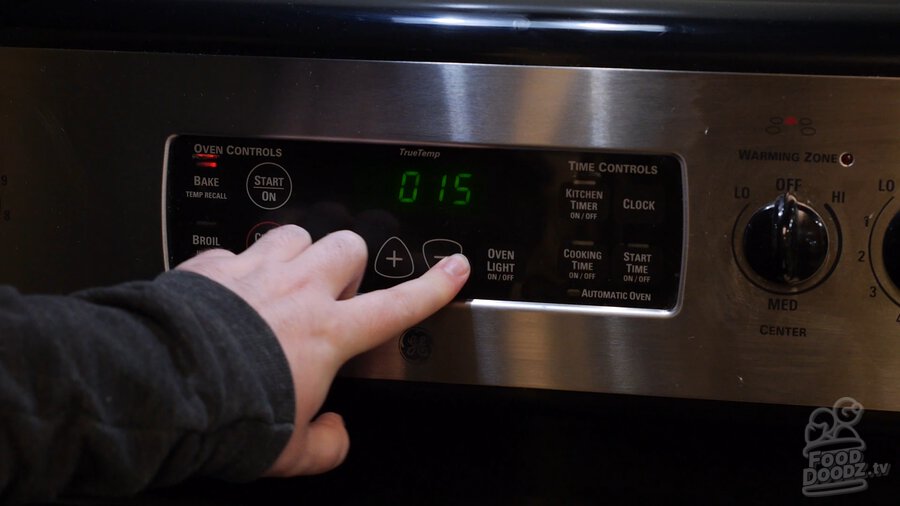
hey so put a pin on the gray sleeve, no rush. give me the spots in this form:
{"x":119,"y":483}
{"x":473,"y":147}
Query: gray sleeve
{"x":114,"y":390}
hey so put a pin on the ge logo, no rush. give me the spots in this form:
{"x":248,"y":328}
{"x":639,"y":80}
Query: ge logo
{"x":416,"y":345}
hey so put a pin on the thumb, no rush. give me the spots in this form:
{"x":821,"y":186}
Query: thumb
{"x":318,"y":448}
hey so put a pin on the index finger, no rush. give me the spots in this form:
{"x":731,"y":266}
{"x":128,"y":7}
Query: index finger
{"x":375,"y":317}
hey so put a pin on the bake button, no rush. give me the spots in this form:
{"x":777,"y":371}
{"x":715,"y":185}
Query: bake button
{"x":641,"y":204}
{"x":583,"y":200}
{"x":636,"y":264}
{"x":582,"y":262}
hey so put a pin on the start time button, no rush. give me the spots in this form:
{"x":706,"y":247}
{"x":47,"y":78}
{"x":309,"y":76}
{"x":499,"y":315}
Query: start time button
{"x":269,"y":186}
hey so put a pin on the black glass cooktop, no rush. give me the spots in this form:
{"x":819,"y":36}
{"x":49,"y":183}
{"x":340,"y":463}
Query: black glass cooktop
{"x":809,"y":36}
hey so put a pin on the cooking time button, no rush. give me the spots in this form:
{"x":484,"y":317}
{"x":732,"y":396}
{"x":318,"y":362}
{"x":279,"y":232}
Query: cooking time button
{"x":269,"y":186}
{"x":582,"y":262}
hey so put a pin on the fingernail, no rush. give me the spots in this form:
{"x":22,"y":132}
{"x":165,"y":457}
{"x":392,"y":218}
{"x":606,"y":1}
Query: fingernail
{"x":456,"y":265}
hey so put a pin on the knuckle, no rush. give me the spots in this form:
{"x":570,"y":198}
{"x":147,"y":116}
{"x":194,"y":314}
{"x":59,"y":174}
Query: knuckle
{"x":287,"y":234}
{"x":350,"y":243}
{"x":339,"y":454}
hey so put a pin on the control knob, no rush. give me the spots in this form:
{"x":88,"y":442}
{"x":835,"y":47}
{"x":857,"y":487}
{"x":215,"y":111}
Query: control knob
{"x":891,"y":250}
{"x":786,"y":242}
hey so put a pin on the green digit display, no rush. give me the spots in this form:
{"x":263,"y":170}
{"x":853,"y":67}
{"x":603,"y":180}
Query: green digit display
{"x":411,"y":180}
{"x":409,"y":187}
{"x":443,"y":188}
{"x":461,"y":179}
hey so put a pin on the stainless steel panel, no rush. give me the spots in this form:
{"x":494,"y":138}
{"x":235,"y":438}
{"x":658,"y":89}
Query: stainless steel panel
{"x":84,"y":137}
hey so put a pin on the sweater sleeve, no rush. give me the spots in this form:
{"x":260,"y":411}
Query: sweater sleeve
{"x":114,"y":390}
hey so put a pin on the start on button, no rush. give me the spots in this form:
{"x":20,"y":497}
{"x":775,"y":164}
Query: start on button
{"x":269,"y":186}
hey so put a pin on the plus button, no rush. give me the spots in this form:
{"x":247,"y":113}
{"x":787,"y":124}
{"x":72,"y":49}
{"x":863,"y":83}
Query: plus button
{"x":394,"y":260}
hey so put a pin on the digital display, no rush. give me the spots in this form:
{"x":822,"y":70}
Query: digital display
{"x":549,"y":226}
{"x":453,"y":188}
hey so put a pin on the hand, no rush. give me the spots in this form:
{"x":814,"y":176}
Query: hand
{"x":307,"y":293}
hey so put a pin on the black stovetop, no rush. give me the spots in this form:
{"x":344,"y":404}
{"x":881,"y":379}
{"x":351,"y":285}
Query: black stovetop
{"x":807,"y":37}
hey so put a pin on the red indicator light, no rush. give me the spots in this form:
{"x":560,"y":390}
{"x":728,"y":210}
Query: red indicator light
{"x":847,"y":159}
{"x":205,"y":156}
{"x":209,"y":165}
{"x":790,"y":120}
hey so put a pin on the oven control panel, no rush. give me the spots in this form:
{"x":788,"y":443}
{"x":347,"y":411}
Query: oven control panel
{"x":640,"y":232}
{"x":583,"y":228}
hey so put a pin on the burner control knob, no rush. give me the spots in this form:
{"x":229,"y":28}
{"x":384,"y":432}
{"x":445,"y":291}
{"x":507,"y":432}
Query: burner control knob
{"x":891,"y":251}
{"x":786,"y":242}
